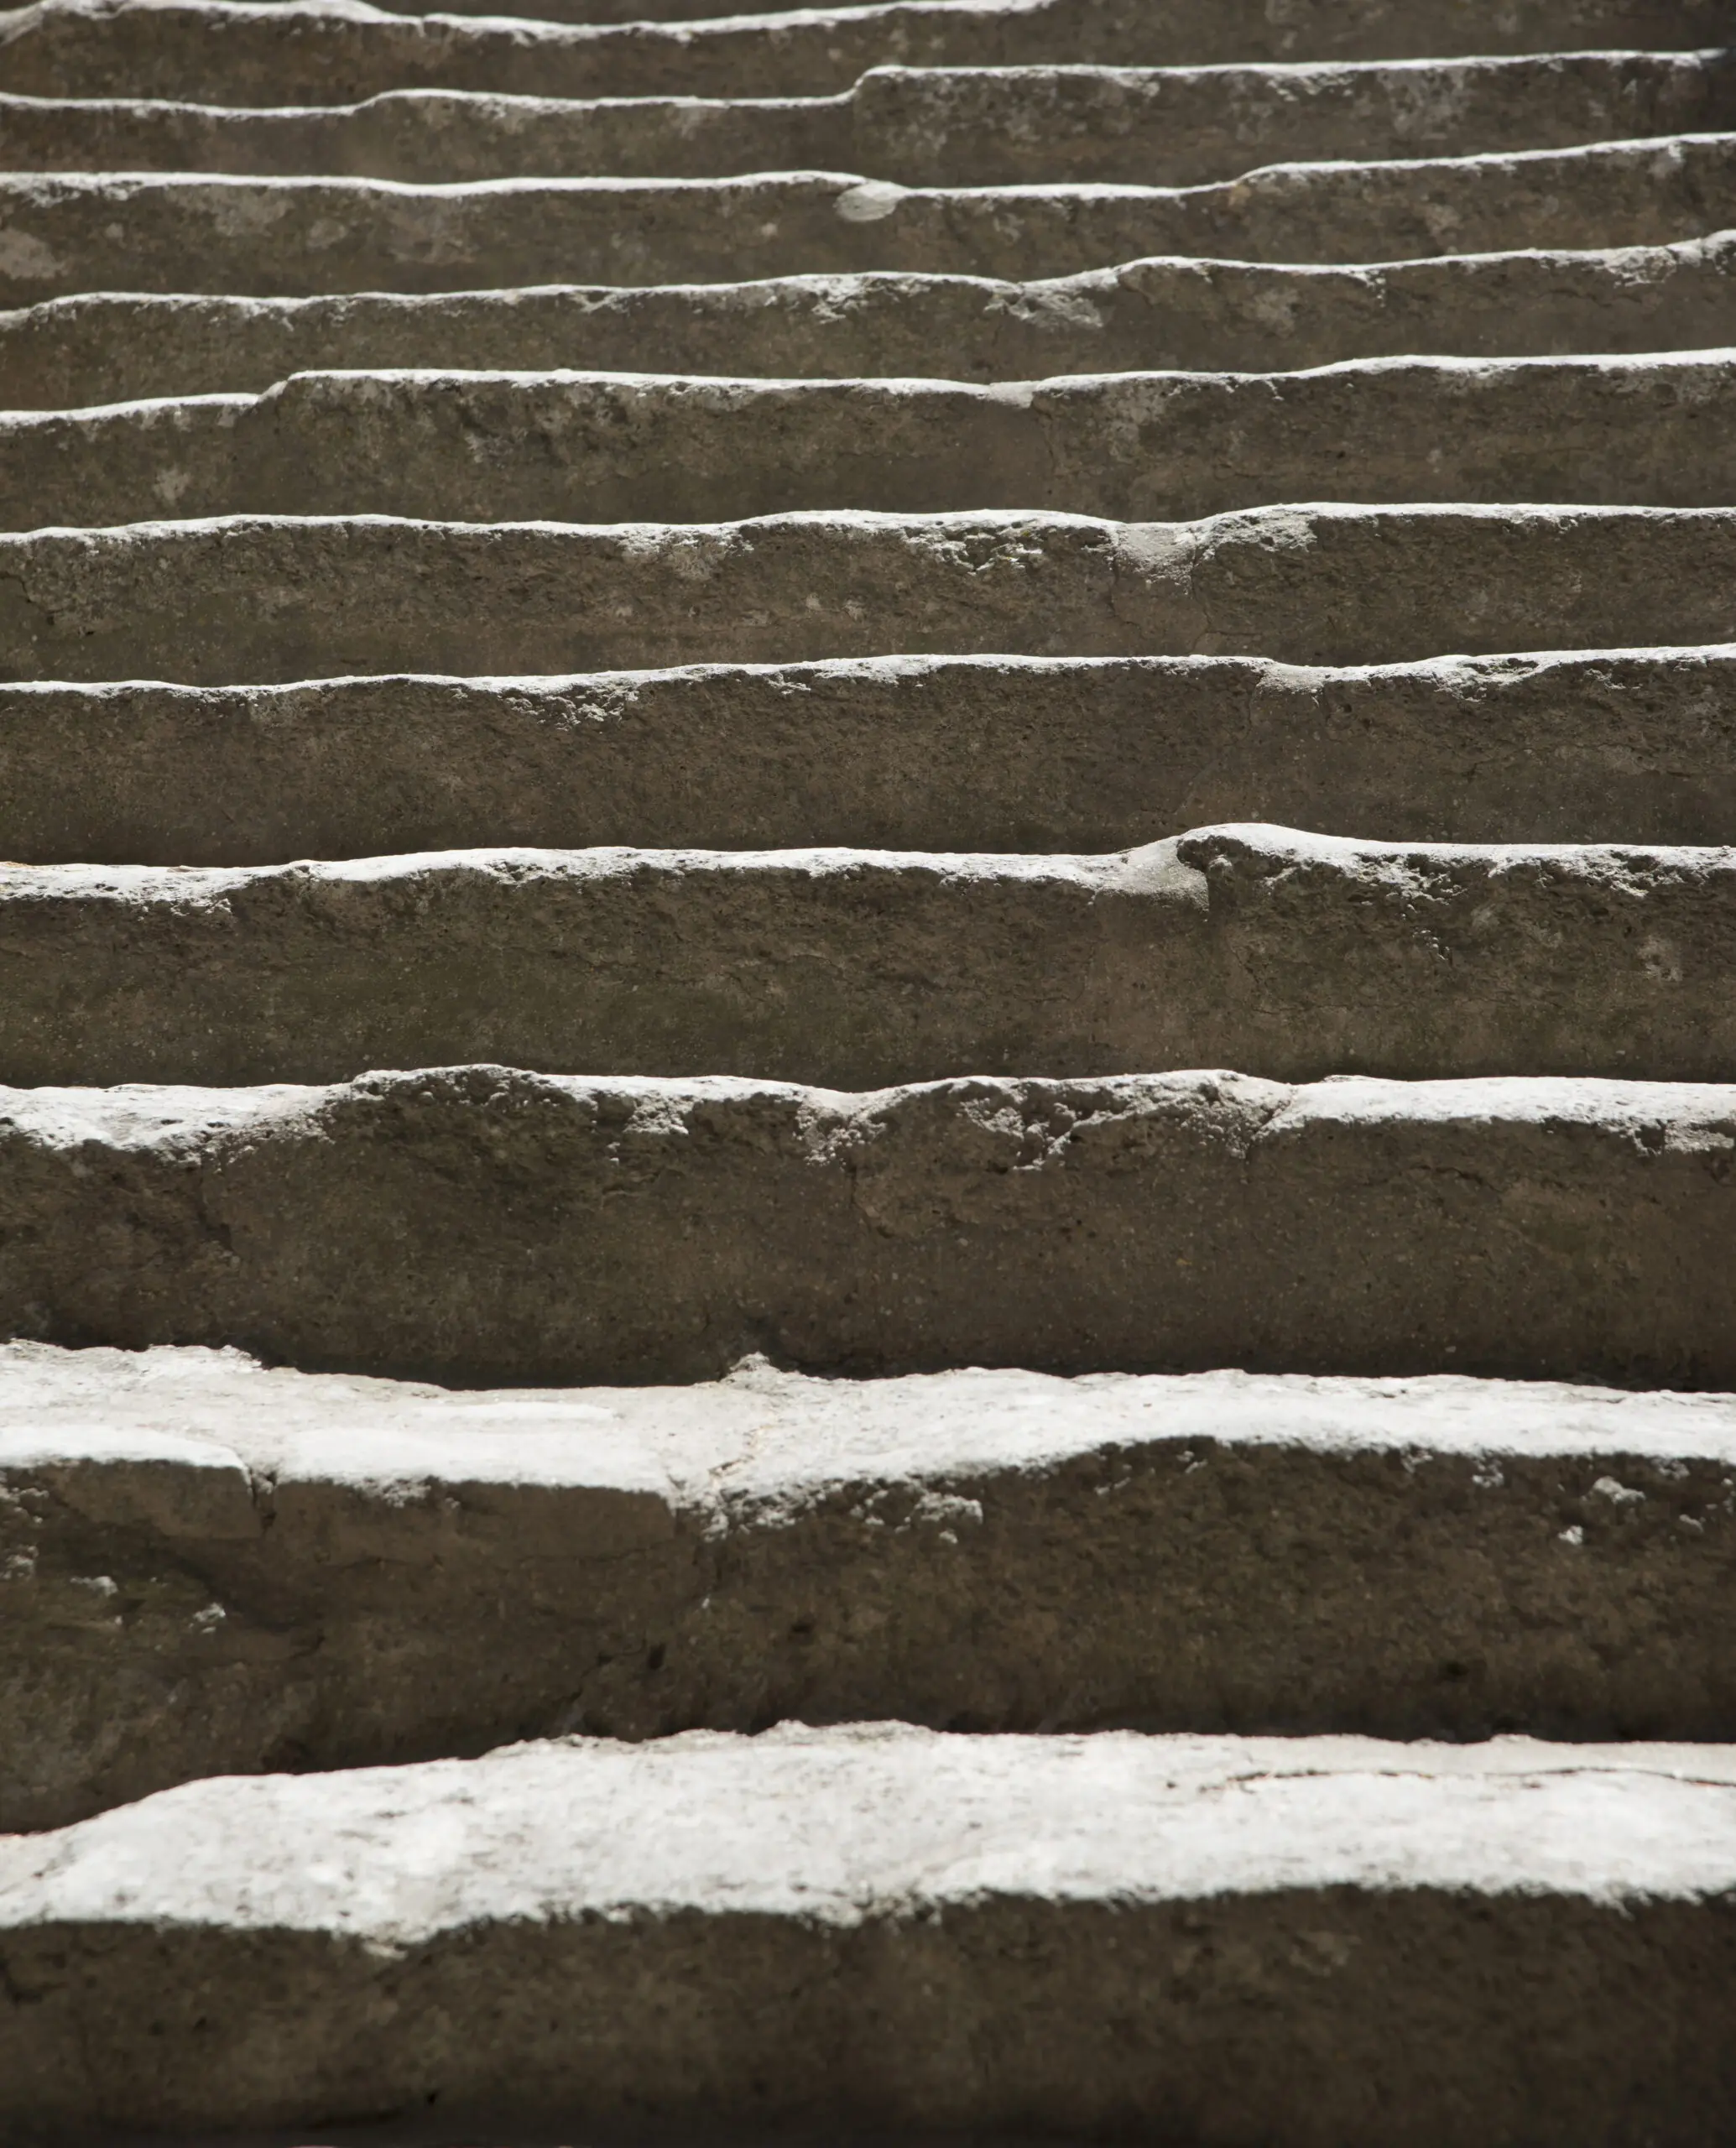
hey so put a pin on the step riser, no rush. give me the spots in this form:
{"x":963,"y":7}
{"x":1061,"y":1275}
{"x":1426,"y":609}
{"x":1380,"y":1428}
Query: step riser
{"x":1012,"y":754}
{"x":1321,"y":1943}
{"x":486,"y":1225}
{"x":303,"y":237}
{"x":1644,"y":432}
{"x":1147,"y":316}
{"x":221,"y":602}
{"x":1290,"y":957}
{"x":920,"y":128}
{"x":399,"y":1575}
{"x":285,"y":55}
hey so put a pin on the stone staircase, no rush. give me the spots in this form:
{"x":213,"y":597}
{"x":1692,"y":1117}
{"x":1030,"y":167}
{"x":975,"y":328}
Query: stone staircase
{"x":792,"y":1521}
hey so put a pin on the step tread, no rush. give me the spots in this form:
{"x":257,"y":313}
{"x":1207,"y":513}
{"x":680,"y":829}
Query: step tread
{"x":298,"y":51}
{"x":608,"y":447}
{"x":1315,"y":1888}
{"x":288,"y":237}
{"x":458,"y":1224}
{"x":1291,"y":956}
{"x":1016,"y":754}
{"x":180,"y":1526}
{"x":1312,"y":584}
{"x":920,"y":127}
{"x":1141,"y":315}
{"x":842,"y":1826}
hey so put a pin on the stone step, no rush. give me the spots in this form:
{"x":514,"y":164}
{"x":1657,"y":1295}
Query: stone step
{"x":1003,"y":753}
{"x":1658,"y":432}
{"x":483,"y":1224}
{"x":922,"y":127}
{"x":303,"y":52}
{"x":68,"y":232}
{"x":1286,"y":955}
{"x":1231,"y":30}
{"x":212,"y":1569}
{"x":256,"y":600}
{"x":1323,"y":1940}
{"x":1142,"y":316}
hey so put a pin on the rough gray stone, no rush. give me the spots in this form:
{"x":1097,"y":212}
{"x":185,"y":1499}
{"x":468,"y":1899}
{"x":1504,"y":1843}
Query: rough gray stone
{"x":991,"y":752}
{"x":1329,"y":1942}
{"x":330,"y":54}
{"x":1657,"y":431}
{"x":66,"y":233}
{"x":482,"y":1224}
{"x":1145,"y":316}
{"x":210,"y":1568}
{"x":1291,"y":956}
{"x":922,"y":127}
{"x":258,"y":600}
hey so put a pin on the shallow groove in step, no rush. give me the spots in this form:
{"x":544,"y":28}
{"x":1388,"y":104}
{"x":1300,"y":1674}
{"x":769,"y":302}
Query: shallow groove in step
{"x":326,"y":1572}
{"x":1285,"y":955}
{"x":221,"y":602}
{"x":920,"y":127}
{"x":1142,"y":316}
{"x":990,"y":752}
{"x":484,"y":1224}
{"x":287,"y":53}
{"x":810,"y":1893}
{"x":1657,"y":431}
{"x":70,"y":232}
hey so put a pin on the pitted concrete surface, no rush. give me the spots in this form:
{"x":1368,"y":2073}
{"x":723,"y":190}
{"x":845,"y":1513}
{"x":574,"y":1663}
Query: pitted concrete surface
{"x":1656,"y":431}
{"x":922,"y":127}
{"x":483,"y":1224}
{"x":1286,"y":955}
{"x":1144,"y":316}
{"x":998,"y":754}
{"x":334,"y":51}
{"x":876,"y":1923}
{"x":263,"y":599}
{"x":66,"y":233}
{"x":211,"y":1568}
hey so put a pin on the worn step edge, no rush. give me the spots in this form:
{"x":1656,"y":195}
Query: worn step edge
{"x":989,"y":753}
{"x":483,"y":1224}
{"x":285,"y":53}
{"x":1291,"y":956}
{"x":1658,"y":430}
{"x":922,"y":127}
{"x":210,"y":1568}
{"x":68,"y":232}
{"x":1147,"y":315}
{"x":1305,"y":1940}
{"x":263,"y":599}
